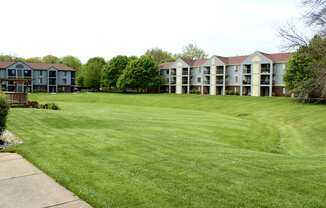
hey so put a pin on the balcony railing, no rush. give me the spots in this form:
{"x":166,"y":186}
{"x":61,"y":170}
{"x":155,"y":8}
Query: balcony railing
{"x":246,"y":81}
{"x":206,"y":71}
{"x":206,"y":82}
{"x":247,"y":71}
{"x":219,"y":81}
{"x":265,"y":71}
{"x":219,"y":71}
{"x":185,"y":73}
{"x":264,"y":82}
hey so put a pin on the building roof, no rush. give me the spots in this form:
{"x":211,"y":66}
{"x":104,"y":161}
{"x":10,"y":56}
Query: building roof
{"x":40,"y":66}
{"x":166,"y":65}
{"x":233,"y":60}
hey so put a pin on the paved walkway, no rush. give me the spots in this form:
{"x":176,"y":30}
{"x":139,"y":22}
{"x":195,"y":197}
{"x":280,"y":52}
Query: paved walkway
{"x":22,"y":185}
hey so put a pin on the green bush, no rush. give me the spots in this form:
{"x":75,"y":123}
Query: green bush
{"x":4,"y":109}
{"x":195,"y":91}
{"x":50,"y":106}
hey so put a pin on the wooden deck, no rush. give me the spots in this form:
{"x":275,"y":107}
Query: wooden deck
{"x":16,"y":98}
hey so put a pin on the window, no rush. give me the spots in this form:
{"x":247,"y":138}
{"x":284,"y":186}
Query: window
{"x":27,"y":73}
{"x":52,"y":74}
{"x":40,"y":80}
{"x":236,"y":79}
{"x":12,"y":72}
{"x":198,"y":79}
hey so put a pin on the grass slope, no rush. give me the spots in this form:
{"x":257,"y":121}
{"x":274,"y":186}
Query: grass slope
{"x":179,"y":151}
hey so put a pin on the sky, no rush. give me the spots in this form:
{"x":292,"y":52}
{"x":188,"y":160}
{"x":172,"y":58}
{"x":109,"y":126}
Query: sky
{"x":89,"y":28}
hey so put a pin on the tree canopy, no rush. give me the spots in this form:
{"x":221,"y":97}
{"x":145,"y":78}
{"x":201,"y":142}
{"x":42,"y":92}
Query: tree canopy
{"x":50,"y":59}
{"x":9,"y":58}
{"x":113,"y":70}
{"x":141,"y":74}
{"x":160,"y":56}
{"x":306,"y":71}
{"x":92,"y":71}
{"x":34,"y":60}
{"x":71,"y":61}
{"x":191,"y":51}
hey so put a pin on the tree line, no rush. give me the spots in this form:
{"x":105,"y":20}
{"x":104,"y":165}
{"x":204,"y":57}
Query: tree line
{"x":121,"y":72}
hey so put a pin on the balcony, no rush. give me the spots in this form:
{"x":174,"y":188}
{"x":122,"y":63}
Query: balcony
{"x":265,"y":69}
{"x":220,"y":70}
{"x":206,"y":70}
{"x":184,"y":73}
{"x":219,"y":82}
{"x":246,"y":82}
{"x":264,"y":82}
{"x":206,"y":82}
{"x":173,"y":72}
{"x":246,"y":71}
{"x":184,"y":81}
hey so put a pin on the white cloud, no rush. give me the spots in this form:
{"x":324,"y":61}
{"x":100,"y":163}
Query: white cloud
{"x":88,"y":28}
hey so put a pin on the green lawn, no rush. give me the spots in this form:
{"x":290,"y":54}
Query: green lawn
{"x":163,"y":150}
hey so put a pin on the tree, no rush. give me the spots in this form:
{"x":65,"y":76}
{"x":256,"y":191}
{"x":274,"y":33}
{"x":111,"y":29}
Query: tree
{"x":191,"y":51}
{"x":49,"y":59}
{"x":34,"y":60}
{"x":141,"y":74}
{"x":159,"y":56}
{"x":6,"y":58}
{"x":315,"y":20}
{"x":92,"y":72}
{"x":316,"y":15}
{"x":113,"y":70}
{"x":80,"y":76}
{"x":72,"y":62}
{"x":305,"y":74}
{"x":9,"y":58}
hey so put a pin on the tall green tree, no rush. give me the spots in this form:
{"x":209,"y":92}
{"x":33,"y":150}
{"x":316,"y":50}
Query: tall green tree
{"x":34,"y":60}
{"x":141,"y":74}
{"x":50,"y":59}
{"x":72,"y":62}
{"x":92,"y":72}
{"x":305,"y":74}
{"x":191,"y":51}
{"x":6,"y":58}
{"x":113,"y":70}
{"x":159,"y":56}
{"x":9,"y":58}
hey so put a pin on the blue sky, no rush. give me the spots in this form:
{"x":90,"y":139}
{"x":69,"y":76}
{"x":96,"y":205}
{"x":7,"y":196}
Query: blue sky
{"x":88,"y":28}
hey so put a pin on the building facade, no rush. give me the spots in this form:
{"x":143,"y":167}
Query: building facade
{"x":36,"y":77}
{"x":258,"y":74}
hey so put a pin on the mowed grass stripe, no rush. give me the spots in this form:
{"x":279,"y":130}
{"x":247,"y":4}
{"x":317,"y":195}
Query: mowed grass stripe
{"x":116,"y":150}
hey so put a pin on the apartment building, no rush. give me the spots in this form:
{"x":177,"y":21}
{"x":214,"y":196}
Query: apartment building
{"x":257,"y":74}
{"x":36,"y":77}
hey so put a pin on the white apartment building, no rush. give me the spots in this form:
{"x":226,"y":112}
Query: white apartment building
{"x":258,"y":74}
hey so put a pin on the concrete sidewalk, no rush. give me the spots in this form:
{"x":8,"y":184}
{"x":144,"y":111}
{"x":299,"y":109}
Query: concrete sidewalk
{"x":22,"y":185}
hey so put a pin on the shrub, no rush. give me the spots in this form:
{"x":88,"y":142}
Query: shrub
{"x":32,"y":104}
{"x":195,"y":91}
{"x":4,"y":109}
{"x":50,"y":106}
